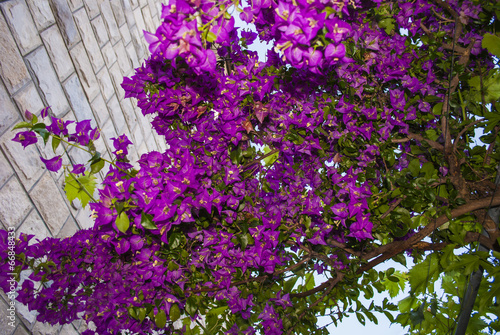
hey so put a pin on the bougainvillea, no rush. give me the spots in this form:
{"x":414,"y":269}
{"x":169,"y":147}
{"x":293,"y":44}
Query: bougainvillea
{"x":348,"y":146}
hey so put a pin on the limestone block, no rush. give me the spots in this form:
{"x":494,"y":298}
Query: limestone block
{"x":20,"y":330}
{"x":123,"y":59}
{"x":139,"y":45}
{"x":23,"y":28}
{"x":12,"y":69}
{"x":47,"y":81}
{"x":143,"y":3}
{"x":128,"y":112}
{"x":129,"y":14}
{"x":50,"y":203}
{"x":58,"y":52}
{"x":26,"y":162}
{"x":64,"y":19}
{"x":152,"y":8}
{"x":156,"y":20}
{"x":45,"y":329}
{"x":33,"y":225}
{"x":9,"y":114}
{"x":14,"y":203}
{"x":138,"y":137}
{"x":118,"y":11}
{"x":75,"y":4}
{"x":132,"y":55}
{"x":117,"y":79}
{"x":110,"y":22}
{"x":42,"y":14}
{"x":117,"y":115}
{"x":4,"y":314}
{"x":68,"y":330}
{"x":139,"y":20}
{"x":83,"y":218}
{"x":85,"y":71}
{"x":109,"y":54}
{"x":148,"y":19}
{"x":105,"y":83}
{"x":125,"y":31}
{"x":28,"y":99}
{"x":108,"y":132}
{"x":92,"y":7}
{"x":142,"y":149}
{"x":89,"y":39}
{"x":79,"y":103}
{"x":100,"y":30}
{"x":69,"y":228}
{"x":134,"y":3}
{"x":100,"y":110}
{"x":5,"y":170}
{"x":151,"y":143}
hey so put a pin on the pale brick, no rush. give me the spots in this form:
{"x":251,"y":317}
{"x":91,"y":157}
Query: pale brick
{"x":22,"y":26}
{"x":132,"y":55}
{"x":151,"y":143}
{"x":125,"y":31}
{"x":148,"y":20}
{"x":42,"y":14}
{"x":47,"y":81}
{"x":54,"y":212}
{"x":12,"y":68}
{"x":9,"y":114}
{"x":105,"y":83}
{"x":58,"y":52}
{"x":20,"y":330}
{"x":78,"y":100}
{"x":14,"y":203}
{"x":64,"y":19}
{"x":100,"y":30}
{"x":45,"y":329}
{"x":143,"y":149}
{"x":85,"y":72}
{"x":68,"y":330}
{"x":4,"y":319}
{"x":109,"y":54}
{"x":5,"y":170}
{"x":156,"y":21}
{"x":110,"y":22}
{"x":26,"y":162}
{"x":143,"y":3}
{"x":100,"y":110}
{"x":138,"y":136}
{"x":28,"y":99}
{"x":129,"y":14}
{"x":34,"y":225}
{"x":162,"y":145}
{"x":117,"y":115}
{"x":118,"y":11}
{"x":108,"y":132}
{"x":134,"y":3}
{"x":92,"y":7}
{"x":69,"y":228}
{"x":128,"y":112}
{"x":117,"y":78}
{"x":89,"y":40}
{"x":152,"y":8}
{"x":139,"y":45}
{"x":123,"y":59}
{"x":139,"y":20}
{"x":75,"y":4}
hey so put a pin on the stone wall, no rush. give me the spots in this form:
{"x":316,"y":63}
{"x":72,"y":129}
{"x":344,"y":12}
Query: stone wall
{"x":70,"y":55}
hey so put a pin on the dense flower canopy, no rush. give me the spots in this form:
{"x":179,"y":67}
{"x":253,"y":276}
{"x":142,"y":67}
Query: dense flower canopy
{"x":330,"y":157}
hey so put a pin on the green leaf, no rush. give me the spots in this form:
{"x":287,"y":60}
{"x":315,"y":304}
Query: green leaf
{"x":55,"y":143}
{"x":175,"y":312}
{"x":492,"y":43}
{"x":160,"y":319}
{"x":269,"y":160}
{"x":191,"y":305}
{"x":424,"y":274}
{"x":417,"y":316}
{"x":414,"y":167}
{"x":218,"y":310}
{"x":122,"y":222}
{"x":310,"y":281}
{"x":361,"y":318}
{"x":80,"y":188}
{"x":211,"y":37}
{"x":97,"y":166}
{"x":22,"y":125}
{"x":147,"y":221}
{"x":141,"y":314}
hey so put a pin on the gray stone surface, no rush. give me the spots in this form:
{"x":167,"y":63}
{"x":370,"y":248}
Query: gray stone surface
{"x":68,"y":330}
{"x":89,"y":40}
{"x":85,"y":71}
{"x":28,"y":99}
{"x":20,"y":330}
{"x":134,"y":3}
{"x":109,"y":54}
{"x":125,"y":32}
{"x":6,"y":329}
{"x":100,"y":31}
{"x":14,"y":203}
{"x":129,"y":113}
{"x":117,"y":115}
{"x":139,"y":20}
{"x":75,"y":4}
{"x":117,"y":78}
{"x":64,"y":19}
{"x":108,"y":132}
{"x":47,"y":81}
{"x":23,"y":28}
{"x":33,"y":225}
{"x":55,"y":212}
{"x":42,"y":14}
{"x":100,"y":110}
{"x":92,"y":8}
{"x":57,"y":52}
{"x":137,"y":135}
{"x":105,"y":83}
{"x":83,"y":218}
{"x":110,"y":22}
{"x":123,"y":62}
{"x":143,"y":3}
{"x":45,"y":329}
{"x":137,"y":39}
{"x":9,"y":114}
{"x":69,"y":228}
{"x":116,"y":5}
{"x":5,"y":170}
{"x":12,"y":68}
{"x":148,"y":20}
{"x":132,"y":55}
{"x":26,"y":162}
{"x":129,"y":14}
{"x":79,"y":103}
{"x":152,"y":8}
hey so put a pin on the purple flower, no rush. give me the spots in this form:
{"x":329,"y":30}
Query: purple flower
{"x":25,"y":138}
{"x":78,"y":169}
{"x":53,"y":164}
